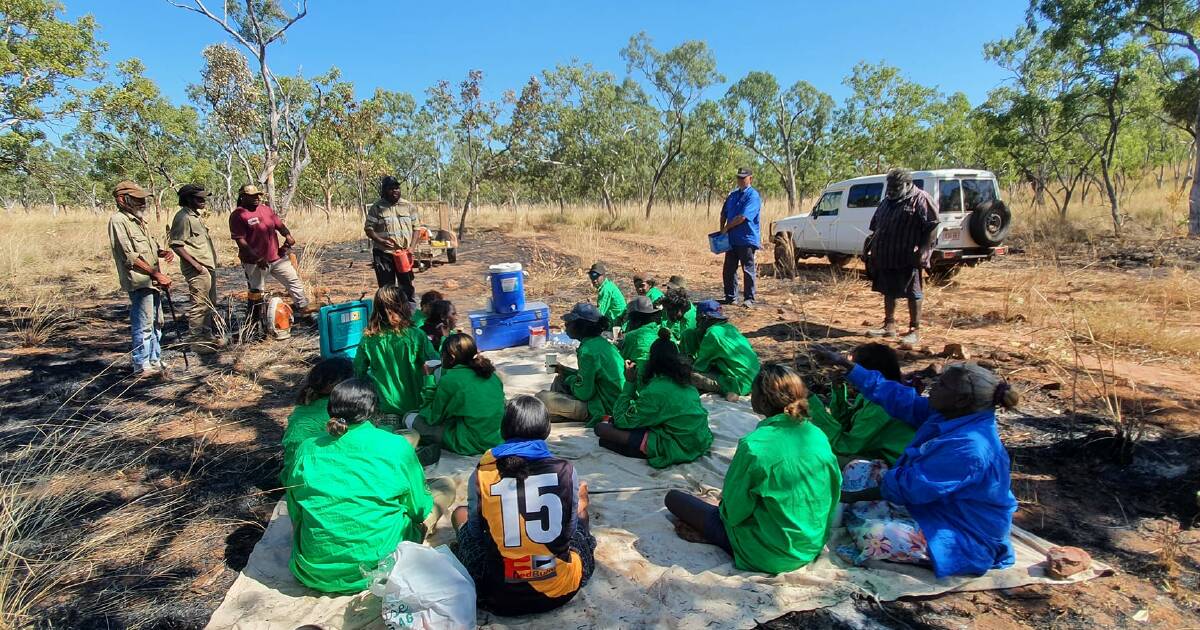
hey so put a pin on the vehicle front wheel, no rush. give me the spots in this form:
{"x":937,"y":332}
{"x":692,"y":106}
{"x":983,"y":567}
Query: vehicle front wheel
{"x":785,"y":256}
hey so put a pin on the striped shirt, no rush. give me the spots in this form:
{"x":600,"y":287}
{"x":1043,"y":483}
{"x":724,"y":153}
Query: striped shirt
{"x":901,"y":229}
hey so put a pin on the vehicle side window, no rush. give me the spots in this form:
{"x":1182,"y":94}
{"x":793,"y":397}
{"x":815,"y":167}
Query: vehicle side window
{"x":864,"y":195}
{"x":949,"y":196}
{"x":976,"y":192}
{"x":828,"y":205}
{"x":919,"y":183}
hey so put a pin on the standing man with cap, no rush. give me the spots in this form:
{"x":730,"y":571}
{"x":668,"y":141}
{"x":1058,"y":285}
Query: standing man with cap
{"x":739,"y":219}
{"x":136,"y":252}
{"x":198,"y":264}
{"x":902,"y":233}
{"x":253,"y":226}
{"x":389,"y":225}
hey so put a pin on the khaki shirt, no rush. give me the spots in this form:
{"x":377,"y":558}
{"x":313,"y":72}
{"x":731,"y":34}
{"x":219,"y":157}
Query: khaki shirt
{"x":395,"y":221}
{"x":130,"y":238}
{"x":189,"y":232}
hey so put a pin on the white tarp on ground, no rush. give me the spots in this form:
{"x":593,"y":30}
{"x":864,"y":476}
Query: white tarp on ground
{"x":646,"y":576}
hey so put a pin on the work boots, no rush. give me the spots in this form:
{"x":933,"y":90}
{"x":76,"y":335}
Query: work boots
{"x":888,"y":330}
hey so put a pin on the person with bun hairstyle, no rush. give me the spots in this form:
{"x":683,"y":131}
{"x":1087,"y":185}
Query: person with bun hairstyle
{"x":393,"y":352}
{"x":356,"y":493}
{"x":311,"y":414}
{"x":947,"y":501}
{"x":659,"y":416}
{"x":462,"y":410}
{"x":523,"y":535}
{"x":781,"y":489}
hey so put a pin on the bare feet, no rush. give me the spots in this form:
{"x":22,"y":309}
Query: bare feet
{"x":688,"y":533}
{"x":459,"y":516}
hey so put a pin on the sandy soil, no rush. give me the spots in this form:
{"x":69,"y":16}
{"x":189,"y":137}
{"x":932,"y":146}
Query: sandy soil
{"x":199,"y":477}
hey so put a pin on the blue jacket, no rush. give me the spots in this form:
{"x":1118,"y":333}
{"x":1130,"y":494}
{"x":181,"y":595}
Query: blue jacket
{"x":953,"y":478}
{"x":745,"y":203}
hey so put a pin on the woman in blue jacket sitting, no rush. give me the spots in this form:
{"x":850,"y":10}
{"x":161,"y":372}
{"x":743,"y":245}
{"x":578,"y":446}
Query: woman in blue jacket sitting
{"x":947,"y":500}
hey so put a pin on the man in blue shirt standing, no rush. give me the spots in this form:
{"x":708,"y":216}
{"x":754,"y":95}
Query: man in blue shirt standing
{"x":739,"y":219}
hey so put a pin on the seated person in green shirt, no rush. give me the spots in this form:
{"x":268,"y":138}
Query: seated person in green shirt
{"x":609,"y":299}
{"x":357,"y":492}
{"x":862,"y":429}
{"x":440,"y":322}
{"x":679,"y":315}
{"x":781,"y":488}
{"x":427,"y":300}
{"x":661,"y":420}
{"x":644,"y":322}
{"x":723,"y":360}
{"x":590,"y":392}
{"x":462,"y":409}
{"x":645,"y":284}
{"x":310,"y":416}
{"x":392,"y":354}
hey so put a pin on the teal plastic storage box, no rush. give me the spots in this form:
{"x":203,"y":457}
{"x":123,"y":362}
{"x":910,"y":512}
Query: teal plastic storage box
{"x":341,"y":327}
{"x":495,"y":331}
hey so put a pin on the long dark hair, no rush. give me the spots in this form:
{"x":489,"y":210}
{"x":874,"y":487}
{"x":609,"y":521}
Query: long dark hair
{"x":390,"y":311}
{"x":460,"y":349}
{"x":582,"y":329}
{"x":880,"y":358}
{"x":322,"y":378}
{"x":351,"y":402}
{"x":525,"y":418}
{"x":666,"y":360}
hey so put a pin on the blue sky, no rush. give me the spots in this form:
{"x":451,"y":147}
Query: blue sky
{"x":407,"y":46}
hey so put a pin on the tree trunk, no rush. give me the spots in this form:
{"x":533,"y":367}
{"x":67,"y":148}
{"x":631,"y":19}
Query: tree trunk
{"x":1194,"y":197}
{"x":328,"y":203}
{"x":462,"y":220}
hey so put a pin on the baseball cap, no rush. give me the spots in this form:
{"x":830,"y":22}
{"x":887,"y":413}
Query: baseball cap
{"x":744,"y":172}
{"x":677,"y":282}
{"x":249,"y":189}
{"x":127,"y":187}
{"x":710,"y":309}
{"x":583,"y":310}
{"x":598,"y":269}
{"x":642,"y":304}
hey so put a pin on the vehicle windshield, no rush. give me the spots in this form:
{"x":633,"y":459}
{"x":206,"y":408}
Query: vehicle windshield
{"x":828,"y":205}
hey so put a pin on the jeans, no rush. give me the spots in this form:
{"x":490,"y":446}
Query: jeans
{"x":743,"y":255}
{"x":146,"y":322}
{"x":283,"y":271}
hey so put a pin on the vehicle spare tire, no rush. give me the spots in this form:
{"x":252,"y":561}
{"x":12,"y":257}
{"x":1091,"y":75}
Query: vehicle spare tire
{"x":989,"y":223}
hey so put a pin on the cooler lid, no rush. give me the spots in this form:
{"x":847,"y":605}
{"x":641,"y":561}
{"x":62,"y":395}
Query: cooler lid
{"x":533,"y":311}
{"x":504,"y":268}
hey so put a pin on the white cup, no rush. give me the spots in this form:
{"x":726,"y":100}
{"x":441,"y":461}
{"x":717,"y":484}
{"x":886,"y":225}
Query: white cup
{"x":433,"y":364}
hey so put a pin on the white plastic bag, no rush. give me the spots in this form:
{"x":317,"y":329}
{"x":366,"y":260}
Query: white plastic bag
{"x":424,"y":588}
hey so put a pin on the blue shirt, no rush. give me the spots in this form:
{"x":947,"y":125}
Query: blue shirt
{"x":743,"y":203}
{"x":953,"y":478}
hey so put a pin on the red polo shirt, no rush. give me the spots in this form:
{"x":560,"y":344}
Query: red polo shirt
{"x":258,"y":227}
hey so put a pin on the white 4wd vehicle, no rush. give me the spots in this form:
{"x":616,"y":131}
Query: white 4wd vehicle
{"x":974,"y":221}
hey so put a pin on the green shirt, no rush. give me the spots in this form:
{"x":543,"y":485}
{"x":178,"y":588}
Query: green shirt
{"x":679,"y":328}
{"x":860,"y":430}
{"x":635,"y":345}
{"x":394,"y":361}
{"x":600,"y":377}
{"x":356,"y":497}
{"x":725,"y":350}
{"x":471,"y":408}
{"x":130,"y":239}
{"x":189,"y":232}
{"x":610,"y":302}
{"x":655,"y":294}
{"x":779,"y":496}
{"x":677,"y":422}
{"x":392,"y":220}
{"x":418,"y":318}
{"x":306,"y":421}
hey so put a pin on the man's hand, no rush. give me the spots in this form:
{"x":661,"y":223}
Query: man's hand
{"x":825,"y":354}
{"x":166,"y":255}
{"x":161,"y":280}
{"x":262,"y":263}
{"x":289,"y":241}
